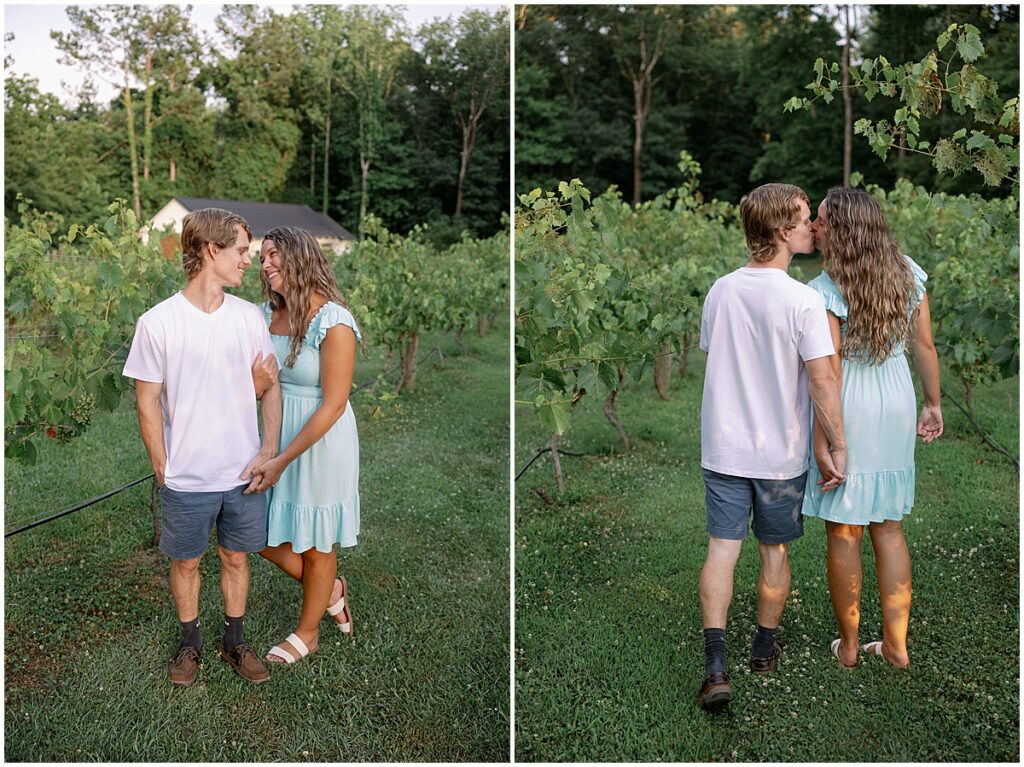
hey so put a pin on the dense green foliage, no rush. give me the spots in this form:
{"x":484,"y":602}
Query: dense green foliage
{"x":923,"y":89}
{"x":607,"y":289}
{"x":72,"y":297}
{"x":601,"y":290}
{"x":970,"y":248}
{"x":258,"y":111}
{"x":74,"y":293}
{"x":717,"y":91}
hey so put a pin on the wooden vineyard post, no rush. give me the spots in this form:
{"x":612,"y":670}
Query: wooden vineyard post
{"x":155,"y":512}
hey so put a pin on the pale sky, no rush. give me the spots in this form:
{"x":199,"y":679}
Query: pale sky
{"x":36,"y":54}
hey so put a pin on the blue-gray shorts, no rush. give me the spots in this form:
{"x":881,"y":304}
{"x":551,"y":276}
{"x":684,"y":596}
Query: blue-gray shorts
{"x":776,"y":505}
{"x":188,"y":519}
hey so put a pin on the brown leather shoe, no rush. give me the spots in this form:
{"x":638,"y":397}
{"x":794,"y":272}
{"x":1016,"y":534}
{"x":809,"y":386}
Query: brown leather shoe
{"x":715,"y":691}
{"x":184,"y":666}
{"x":246,"y":663}
{"x":767,"y":665}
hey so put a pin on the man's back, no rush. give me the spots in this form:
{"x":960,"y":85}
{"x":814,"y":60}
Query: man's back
{"x":758,"y":327}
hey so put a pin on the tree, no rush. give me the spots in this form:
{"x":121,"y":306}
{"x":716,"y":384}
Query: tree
{"x":639,"y":36}
{"x":102,"y":42}
{"x":922,"y":88}
{"x":258,"y":134}
{"x":468,"y":63}
{"x":373,"y":40}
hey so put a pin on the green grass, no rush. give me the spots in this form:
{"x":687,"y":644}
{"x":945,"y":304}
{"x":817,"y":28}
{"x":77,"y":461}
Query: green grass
{"x":90,"y":623}
{"x":609,"y":651}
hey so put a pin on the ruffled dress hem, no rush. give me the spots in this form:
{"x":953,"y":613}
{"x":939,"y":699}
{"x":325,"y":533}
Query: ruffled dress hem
{"x":864,"y":498}
{"x":308,"y":527}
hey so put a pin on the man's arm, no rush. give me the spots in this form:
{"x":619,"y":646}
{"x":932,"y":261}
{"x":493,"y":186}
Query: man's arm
{"x":822,"y":452}
{"x":271,"y":410}
{"x":151,"y":425}
{"x":823,"y":386}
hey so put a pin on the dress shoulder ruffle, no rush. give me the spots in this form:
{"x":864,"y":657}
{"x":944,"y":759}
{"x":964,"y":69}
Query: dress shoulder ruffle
{"x":329,"y":316}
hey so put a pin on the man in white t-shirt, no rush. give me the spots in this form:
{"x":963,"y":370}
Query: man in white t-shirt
{"x":769,"y":349}
{"x":191,"y":359}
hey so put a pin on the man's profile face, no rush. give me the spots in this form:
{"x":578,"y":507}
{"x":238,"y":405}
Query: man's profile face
{"x":820,"y":228}
{"x":229,"y":264}
{"x":801,"y":237}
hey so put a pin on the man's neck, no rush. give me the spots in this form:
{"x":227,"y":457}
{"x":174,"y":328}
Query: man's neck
{"x":203,"y":293}
{"x":781,"y":260}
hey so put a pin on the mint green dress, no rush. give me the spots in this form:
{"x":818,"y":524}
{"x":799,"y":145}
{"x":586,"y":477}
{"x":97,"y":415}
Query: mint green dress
{"x":880,"y":417}
{"x":315,"y":503}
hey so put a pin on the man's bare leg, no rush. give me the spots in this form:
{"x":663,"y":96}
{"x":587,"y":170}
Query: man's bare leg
{"x":184,"y":580}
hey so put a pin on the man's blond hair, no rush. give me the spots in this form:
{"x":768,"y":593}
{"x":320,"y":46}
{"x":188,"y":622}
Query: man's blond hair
{"x":764,"y":211}
{"x":213,"y":225}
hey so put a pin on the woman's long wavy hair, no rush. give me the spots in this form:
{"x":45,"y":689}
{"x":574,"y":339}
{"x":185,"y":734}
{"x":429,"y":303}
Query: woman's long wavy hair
{"x":305,"y":273}
{"x":866,"y":264}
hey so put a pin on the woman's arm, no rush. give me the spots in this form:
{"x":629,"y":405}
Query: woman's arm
{"x":264,"y":373}
{"x":926,"y":362}
{"x":337,"y":365}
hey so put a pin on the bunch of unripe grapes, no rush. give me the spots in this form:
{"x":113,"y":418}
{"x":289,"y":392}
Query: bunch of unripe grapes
{"x":82,"y":412}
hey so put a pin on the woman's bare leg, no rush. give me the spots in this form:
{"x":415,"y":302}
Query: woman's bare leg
{"x":319,"y":569}
{"x":844,"y":584}
{"x":892,"y":564}
{"x":283,"y":556}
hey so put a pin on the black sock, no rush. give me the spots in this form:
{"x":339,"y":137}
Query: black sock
{"x":764,"y":642}
{"x":233,"y":628}
{"x":190,"y":636}
{"x":714,"y":650}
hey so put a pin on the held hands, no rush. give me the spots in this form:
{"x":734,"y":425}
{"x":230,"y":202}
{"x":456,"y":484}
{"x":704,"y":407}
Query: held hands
{"x":264,"y":473}
{"x":929,"y":426}
{"x":832,"y":466}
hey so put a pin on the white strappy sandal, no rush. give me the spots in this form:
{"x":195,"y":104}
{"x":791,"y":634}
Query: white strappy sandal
{"x":279,"y":652}
{"x":338,"y":607}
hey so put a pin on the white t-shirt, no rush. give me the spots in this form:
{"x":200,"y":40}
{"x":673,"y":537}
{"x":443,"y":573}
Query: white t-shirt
{"x":204,"y":362}
{"x":758,"y":327}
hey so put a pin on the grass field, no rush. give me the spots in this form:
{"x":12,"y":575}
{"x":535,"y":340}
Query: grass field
{"x":90,"y":626}
{"x":609,"y":651}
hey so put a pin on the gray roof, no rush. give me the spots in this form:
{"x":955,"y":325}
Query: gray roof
{"x":264,"y":216}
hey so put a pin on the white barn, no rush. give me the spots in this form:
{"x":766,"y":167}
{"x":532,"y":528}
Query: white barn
{"x":261,"y":217}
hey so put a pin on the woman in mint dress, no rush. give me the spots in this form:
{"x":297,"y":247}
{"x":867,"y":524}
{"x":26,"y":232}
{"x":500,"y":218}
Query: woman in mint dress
{"x":314,"y":503}
{"x":877,"y":310}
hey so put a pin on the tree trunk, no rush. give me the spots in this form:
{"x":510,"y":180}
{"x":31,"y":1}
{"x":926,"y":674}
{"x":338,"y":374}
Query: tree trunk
{"x":663,"y":371}
{"x":609,"y":412}
{"x":481,"y":325}
{"x":172,"y":171}
{"x":639,"y":120}
{"x":641,"y":77}
{"x":312,"y":167}
{"x":847,"y":104}
{"x":364,"y":174}
{"x":458,"y":339}
{"x":133,"y":150}
{"x":147,"y":117}
{"x":327,"y":149}
{"x":968,"y":395}
{"x":468,"y":143}
{"x":684,"y":354}
{"x":154,"y":510}
{"x":558,"y":464}
{"x":409,"y":351}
